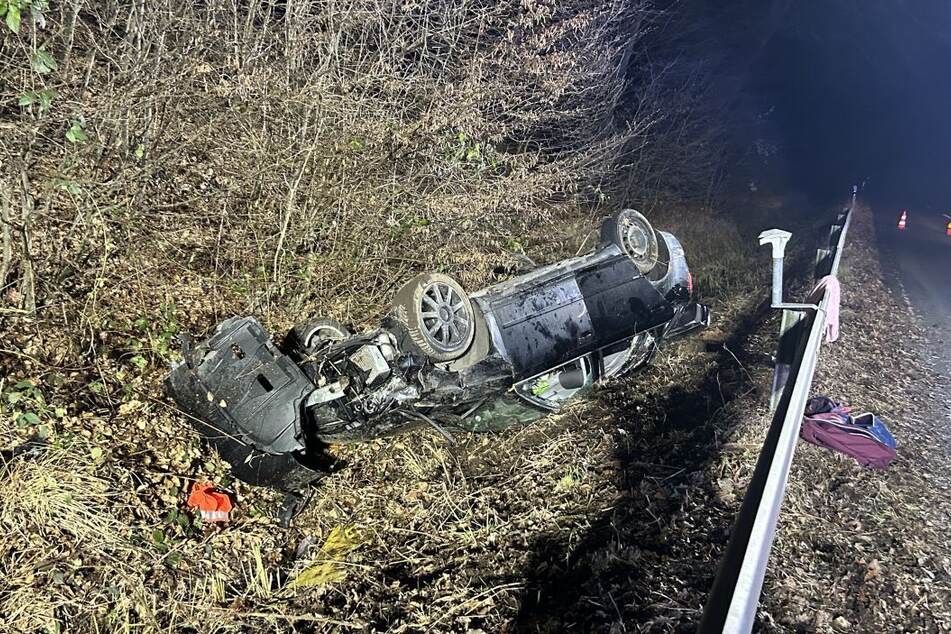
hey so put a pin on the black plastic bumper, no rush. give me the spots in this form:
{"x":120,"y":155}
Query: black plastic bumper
{"x":246,"y":398}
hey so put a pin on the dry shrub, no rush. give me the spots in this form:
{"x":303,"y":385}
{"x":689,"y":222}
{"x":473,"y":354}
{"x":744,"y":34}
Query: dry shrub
{"x":286,"y":153}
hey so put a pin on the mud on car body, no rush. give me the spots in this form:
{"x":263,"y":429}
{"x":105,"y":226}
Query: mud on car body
{"x":502,"y":356}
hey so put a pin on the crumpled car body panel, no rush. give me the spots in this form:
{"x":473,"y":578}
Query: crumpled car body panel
{"x":246,"y":398}
{"x":574,"y":308}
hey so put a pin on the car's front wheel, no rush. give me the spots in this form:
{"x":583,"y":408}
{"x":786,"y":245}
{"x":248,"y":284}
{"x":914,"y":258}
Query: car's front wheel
{"x":307,"y":338}
{"x":436,"y":316}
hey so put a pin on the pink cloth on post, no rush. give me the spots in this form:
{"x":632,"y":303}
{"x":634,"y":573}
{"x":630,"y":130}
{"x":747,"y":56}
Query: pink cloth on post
{"x":830,"y":285}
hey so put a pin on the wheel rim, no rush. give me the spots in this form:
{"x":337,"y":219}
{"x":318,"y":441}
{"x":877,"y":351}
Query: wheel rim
{"x":445,"y":317}
{"x":637,"y":240}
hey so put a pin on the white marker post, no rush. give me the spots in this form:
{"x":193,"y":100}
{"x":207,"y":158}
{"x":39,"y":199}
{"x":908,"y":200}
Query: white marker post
{"x":778,"y":239}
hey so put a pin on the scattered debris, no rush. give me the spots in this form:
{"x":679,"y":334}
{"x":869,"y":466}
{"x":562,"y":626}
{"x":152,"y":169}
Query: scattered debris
{"x":329,"y":568}
{"x":294,"y":502}
{"x":213,"y":505}
{"x":515,"y":351}
{"x":31,"y":449}
{"x":865,"y":437}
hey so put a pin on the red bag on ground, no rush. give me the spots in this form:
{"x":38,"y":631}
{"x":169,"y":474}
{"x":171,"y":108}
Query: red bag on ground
{"x":865,"y":438}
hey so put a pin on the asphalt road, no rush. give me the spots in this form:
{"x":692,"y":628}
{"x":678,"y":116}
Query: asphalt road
{"x":920,"y":259}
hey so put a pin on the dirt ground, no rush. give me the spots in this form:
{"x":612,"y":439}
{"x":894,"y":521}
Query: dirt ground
{"x":608,"y":517}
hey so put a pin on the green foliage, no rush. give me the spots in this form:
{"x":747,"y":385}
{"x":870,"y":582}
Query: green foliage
{"x":43,"y":62}
{"x":175,"y":527}
{"x":76,"y":133}
{"x":468,"y":153}
{"x":12,"y":12}
{"x":407,"y":225}
{"x":158,"y":541}
{"x":12,"y":15}
{"x":43,"y":97}
{"x":67,"y":185}
{"x":183,"y":523}
{"x":154,"y":336}
{"x":26,"y":404}
{"x":514,"y":245}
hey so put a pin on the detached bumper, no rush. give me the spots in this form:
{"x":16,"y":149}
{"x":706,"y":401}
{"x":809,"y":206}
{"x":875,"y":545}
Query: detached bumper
{"x":246,"y":398}
{"x":691,"y":317}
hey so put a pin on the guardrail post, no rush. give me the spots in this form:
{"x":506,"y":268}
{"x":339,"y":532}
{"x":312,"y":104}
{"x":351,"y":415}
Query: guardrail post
{"x":778,"y":239}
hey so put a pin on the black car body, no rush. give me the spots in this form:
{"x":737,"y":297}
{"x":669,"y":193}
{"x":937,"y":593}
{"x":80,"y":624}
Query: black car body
{"x":503,"y":356}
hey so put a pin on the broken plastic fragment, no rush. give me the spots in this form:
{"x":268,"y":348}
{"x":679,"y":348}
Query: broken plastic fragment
{"x":212,"y":505}
{"x":341,"y":541}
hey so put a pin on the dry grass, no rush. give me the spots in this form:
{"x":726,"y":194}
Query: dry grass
{"x":285,"y":159}
{"x":67,"y":558}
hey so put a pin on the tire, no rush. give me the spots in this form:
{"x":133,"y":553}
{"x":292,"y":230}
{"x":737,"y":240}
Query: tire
{"x":635,"y":236}
{"x":435,"y":316}
{"x":308,"y":336}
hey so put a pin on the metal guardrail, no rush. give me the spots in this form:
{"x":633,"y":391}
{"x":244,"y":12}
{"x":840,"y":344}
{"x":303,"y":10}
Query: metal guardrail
{"x":731,"y":605}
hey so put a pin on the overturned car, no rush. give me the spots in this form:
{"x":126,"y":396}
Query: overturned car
{"x":503,"y":356}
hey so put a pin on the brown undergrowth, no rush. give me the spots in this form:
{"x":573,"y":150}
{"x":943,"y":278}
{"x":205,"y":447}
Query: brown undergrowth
{"x":448,"y":535}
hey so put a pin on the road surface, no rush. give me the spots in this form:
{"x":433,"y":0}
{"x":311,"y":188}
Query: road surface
{"x":920,"y":258}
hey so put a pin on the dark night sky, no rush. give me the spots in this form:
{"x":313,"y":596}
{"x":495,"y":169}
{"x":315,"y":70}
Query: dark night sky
{"x":859,"y":87}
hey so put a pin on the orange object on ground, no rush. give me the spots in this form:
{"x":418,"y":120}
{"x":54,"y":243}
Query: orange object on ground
{"x":212,"y":505}
{"x":902,"y":220}
{"x":949,"y":228}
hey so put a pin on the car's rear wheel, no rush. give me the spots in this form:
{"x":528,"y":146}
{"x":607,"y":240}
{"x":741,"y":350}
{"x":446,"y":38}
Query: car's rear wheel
{"x":436,"y":316}
{"x":633,"y":233}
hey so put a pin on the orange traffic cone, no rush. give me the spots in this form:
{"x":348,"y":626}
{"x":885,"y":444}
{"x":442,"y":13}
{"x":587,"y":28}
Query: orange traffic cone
{"x":902,"y":221}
